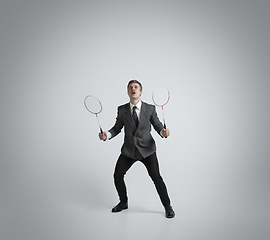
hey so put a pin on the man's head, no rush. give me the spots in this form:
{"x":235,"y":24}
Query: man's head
{"x":134,"y":89}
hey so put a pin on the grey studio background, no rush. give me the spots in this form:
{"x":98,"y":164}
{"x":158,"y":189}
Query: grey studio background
{"x":56,"y":176}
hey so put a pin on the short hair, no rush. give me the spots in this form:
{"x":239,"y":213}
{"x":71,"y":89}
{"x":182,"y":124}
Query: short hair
{"x":134,"y":81}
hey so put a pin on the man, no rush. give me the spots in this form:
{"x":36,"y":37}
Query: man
{"x":137,"y":117}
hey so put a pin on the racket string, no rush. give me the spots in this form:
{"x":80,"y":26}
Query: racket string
{"x":163,"y":102}
{"x":94,"y":106}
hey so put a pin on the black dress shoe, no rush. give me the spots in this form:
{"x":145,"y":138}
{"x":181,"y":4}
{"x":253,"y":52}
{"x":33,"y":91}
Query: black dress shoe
{"x":119,"y":207}
{"x":169,"y":213}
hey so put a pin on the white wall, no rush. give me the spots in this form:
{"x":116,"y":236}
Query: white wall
{"x":212,"y":55}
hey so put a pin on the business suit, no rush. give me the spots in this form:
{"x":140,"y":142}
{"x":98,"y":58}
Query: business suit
{"x":138,"y":145}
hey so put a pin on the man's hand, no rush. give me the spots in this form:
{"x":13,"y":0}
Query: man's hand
{"x":165,"y":132}
{"x":102,"y":136}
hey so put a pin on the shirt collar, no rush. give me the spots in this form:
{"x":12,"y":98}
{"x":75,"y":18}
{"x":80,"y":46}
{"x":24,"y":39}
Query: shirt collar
{"x":138,"y":105}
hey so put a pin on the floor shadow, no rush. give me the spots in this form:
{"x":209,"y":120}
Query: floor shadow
{"x":138,"y":210}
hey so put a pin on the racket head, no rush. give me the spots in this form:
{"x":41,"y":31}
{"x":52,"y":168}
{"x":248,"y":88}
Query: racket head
{"x":92,"y":104}
{"x":161,"y":96}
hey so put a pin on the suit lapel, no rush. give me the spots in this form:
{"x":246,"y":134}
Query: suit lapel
{"x":142,"y":114}
{"x":130,"y":118}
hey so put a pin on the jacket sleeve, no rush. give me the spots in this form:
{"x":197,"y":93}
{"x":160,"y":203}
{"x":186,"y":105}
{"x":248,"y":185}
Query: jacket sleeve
{"x":158,"y":126}
{"x":116,"y":129}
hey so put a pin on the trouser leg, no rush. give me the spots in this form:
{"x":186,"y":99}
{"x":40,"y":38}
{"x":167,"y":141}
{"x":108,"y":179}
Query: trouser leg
{"x":151,"y":163}
{"x":122,"y":166}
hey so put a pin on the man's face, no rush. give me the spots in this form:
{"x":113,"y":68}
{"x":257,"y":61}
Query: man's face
{"x":134,"y":91}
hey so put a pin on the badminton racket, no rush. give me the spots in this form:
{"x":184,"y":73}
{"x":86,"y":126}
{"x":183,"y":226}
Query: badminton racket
{"x":161,"y":97}
{"x":94,"y":106}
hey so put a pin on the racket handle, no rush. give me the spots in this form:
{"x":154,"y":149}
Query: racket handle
{"x":164,"y":127}
{"x":101,"y":133}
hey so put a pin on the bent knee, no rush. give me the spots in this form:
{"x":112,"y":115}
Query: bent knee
{"x":118,"y":175}
{"x":156,"y":178}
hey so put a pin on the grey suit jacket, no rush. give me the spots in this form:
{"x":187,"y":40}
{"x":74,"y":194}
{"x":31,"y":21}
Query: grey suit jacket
{"x":138,"y":142}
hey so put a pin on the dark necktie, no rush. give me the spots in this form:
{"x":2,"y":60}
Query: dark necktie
{"x":135,"y":117}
